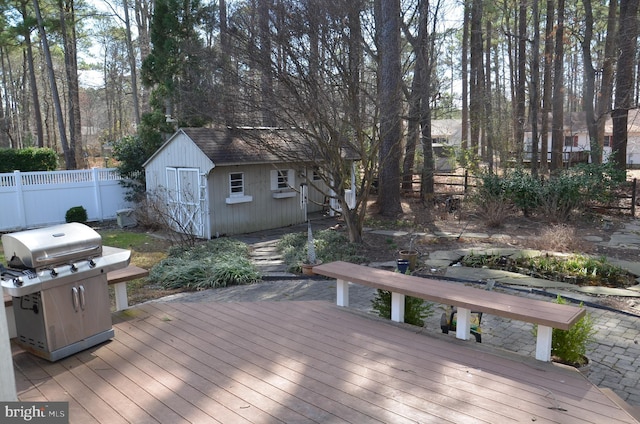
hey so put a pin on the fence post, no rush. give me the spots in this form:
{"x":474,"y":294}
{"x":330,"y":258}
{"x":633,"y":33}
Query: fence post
{"x":96,"y":193}
{"x":633,"y":197}
{"x":20,"y":199}
{"x":466,"y":180}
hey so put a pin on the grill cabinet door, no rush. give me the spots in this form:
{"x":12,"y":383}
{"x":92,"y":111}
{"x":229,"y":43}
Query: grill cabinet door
{"x":76,"y":311}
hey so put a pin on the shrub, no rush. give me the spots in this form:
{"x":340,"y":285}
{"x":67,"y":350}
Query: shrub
{"x":29,"y":159}
{"x":570,"y":346}
{"x":490,"y":199}
{"x":416,"y":310}
{"x":76,"y":214}
{"x":523,"y":190}
{"x":556,"y":198}
{"x":217,"y":263}
{"x":560,"y":195}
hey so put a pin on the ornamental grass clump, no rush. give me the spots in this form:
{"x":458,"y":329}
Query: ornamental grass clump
{"x":570,"y":346}
{"x":329,"y":245}
{"x":416,"y":310}
{"x":217,"y":263}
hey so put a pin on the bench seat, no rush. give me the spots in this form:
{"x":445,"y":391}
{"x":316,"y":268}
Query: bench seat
{"x":546,"y":315}
{"x":119,"y":279}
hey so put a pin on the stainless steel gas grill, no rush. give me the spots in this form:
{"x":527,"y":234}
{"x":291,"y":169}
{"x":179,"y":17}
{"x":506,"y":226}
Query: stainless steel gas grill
{"x":58,"y":279}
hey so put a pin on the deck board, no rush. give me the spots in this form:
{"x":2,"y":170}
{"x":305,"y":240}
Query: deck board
{"x":267,"y":362}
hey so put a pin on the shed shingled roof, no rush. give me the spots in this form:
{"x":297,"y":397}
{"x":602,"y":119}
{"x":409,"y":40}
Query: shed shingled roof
{"x":244,"y":146}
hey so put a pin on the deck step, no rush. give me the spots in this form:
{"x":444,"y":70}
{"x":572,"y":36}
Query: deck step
{"x":634,"y":411}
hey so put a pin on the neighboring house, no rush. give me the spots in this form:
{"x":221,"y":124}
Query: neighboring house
{"x":446,"y":134}
{"x":222,"y":182}
{"x":446,"y":131}
{"x":576,"y":146}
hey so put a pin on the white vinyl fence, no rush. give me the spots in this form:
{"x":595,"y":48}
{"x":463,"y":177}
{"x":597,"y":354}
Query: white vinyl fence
{"x":38,"y":199}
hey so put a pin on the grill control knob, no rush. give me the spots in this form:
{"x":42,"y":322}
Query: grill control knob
{"x":74,"y":268}
{"x":18,"y":281}
{"x":92,"y":263}
{"x":54,"y":272}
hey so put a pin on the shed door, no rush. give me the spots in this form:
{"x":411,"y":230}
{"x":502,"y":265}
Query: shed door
{"x":186,"y":200}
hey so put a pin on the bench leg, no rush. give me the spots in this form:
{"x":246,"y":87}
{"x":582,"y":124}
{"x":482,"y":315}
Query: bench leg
{"x":120,"y":291}
{"x":543,"y":344}
{"x":342,"y":293}
{"x":397,"y":307}
{"x":463,"y":324}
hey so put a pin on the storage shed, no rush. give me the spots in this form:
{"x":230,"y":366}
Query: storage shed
{"x":223,"y":181}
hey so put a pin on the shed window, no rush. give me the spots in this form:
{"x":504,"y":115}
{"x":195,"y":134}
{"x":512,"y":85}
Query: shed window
{"x":236,"y":189}
{"x":282,"y":179}
{"x":236,"y":184}
{"x":608,"y":141}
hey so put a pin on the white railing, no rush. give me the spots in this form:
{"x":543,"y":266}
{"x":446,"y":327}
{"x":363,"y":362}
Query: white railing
{"x":37,"y":199}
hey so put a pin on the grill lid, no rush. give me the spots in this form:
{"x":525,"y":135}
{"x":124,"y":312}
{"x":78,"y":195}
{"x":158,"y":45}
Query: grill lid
{"x":50,"y":246}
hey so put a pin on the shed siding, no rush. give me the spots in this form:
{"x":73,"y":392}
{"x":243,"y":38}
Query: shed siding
{"x":180,"y":153}
{"x":262,"y":212}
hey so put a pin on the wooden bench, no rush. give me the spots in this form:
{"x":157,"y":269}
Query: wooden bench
{"x":547,"y":315}
{"x":119,"y":278}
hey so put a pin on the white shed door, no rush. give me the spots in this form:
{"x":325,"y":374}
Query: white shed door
{"x":186,"y":200}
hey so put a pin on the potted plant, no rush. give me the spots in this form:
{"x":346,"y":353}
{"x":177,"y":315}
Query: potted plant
{"x":311,"y":261}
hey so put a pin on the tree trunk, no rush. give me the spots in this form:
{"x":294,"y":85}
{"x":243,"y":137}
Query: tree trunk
{"x":624,"y":79}
{"x":426,"y":57}
{"x":464,"y":71}
{"x":413,"y":129}
{"x":547,"y":87}
{"x":590,"y":83}
{"x":604,"y":101}
{"x":67,"y":15}
{"x":476,"y":91}
{"x":557,"y":134}
{"x":390,"y":101}
{"x":143,"y":13}
{"x":69,"y":155}
{"x":521,"y":118}
{"x":133,"y":68}
{"x":225,"y":49}
{"x":33,"y":84}
{"x":266,"y":75}
{"x":534,"y":96}
{"x":488,"y":106}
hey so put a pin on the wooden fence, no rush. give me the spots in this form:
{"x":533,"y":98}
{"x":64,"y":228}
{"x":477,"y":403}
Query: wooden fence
{"x":37,"y":199}
{"x":444,"y":184}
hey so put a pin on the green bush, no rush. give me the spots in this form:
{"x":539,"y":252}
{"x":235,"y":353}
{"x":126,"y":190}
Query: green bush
{"x":560,"y":195}
{"x":76,"y":214}
{"x":491,"y":200}
{"x":218,"y":263}
{"x":523,"y":190}
{"x":416,"y":310}
{"x":29,"y":159}
{"x":556,"y":198}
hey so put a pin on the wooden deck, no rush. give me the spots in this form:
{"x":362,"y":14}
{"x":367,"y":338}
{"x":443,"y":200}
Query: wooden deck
{"x":298,"y":362}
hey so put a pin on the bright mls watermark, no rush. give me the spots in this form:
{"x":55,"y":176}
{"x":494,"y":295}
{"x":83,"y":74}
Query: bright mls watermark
{"x":34,"y":412}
